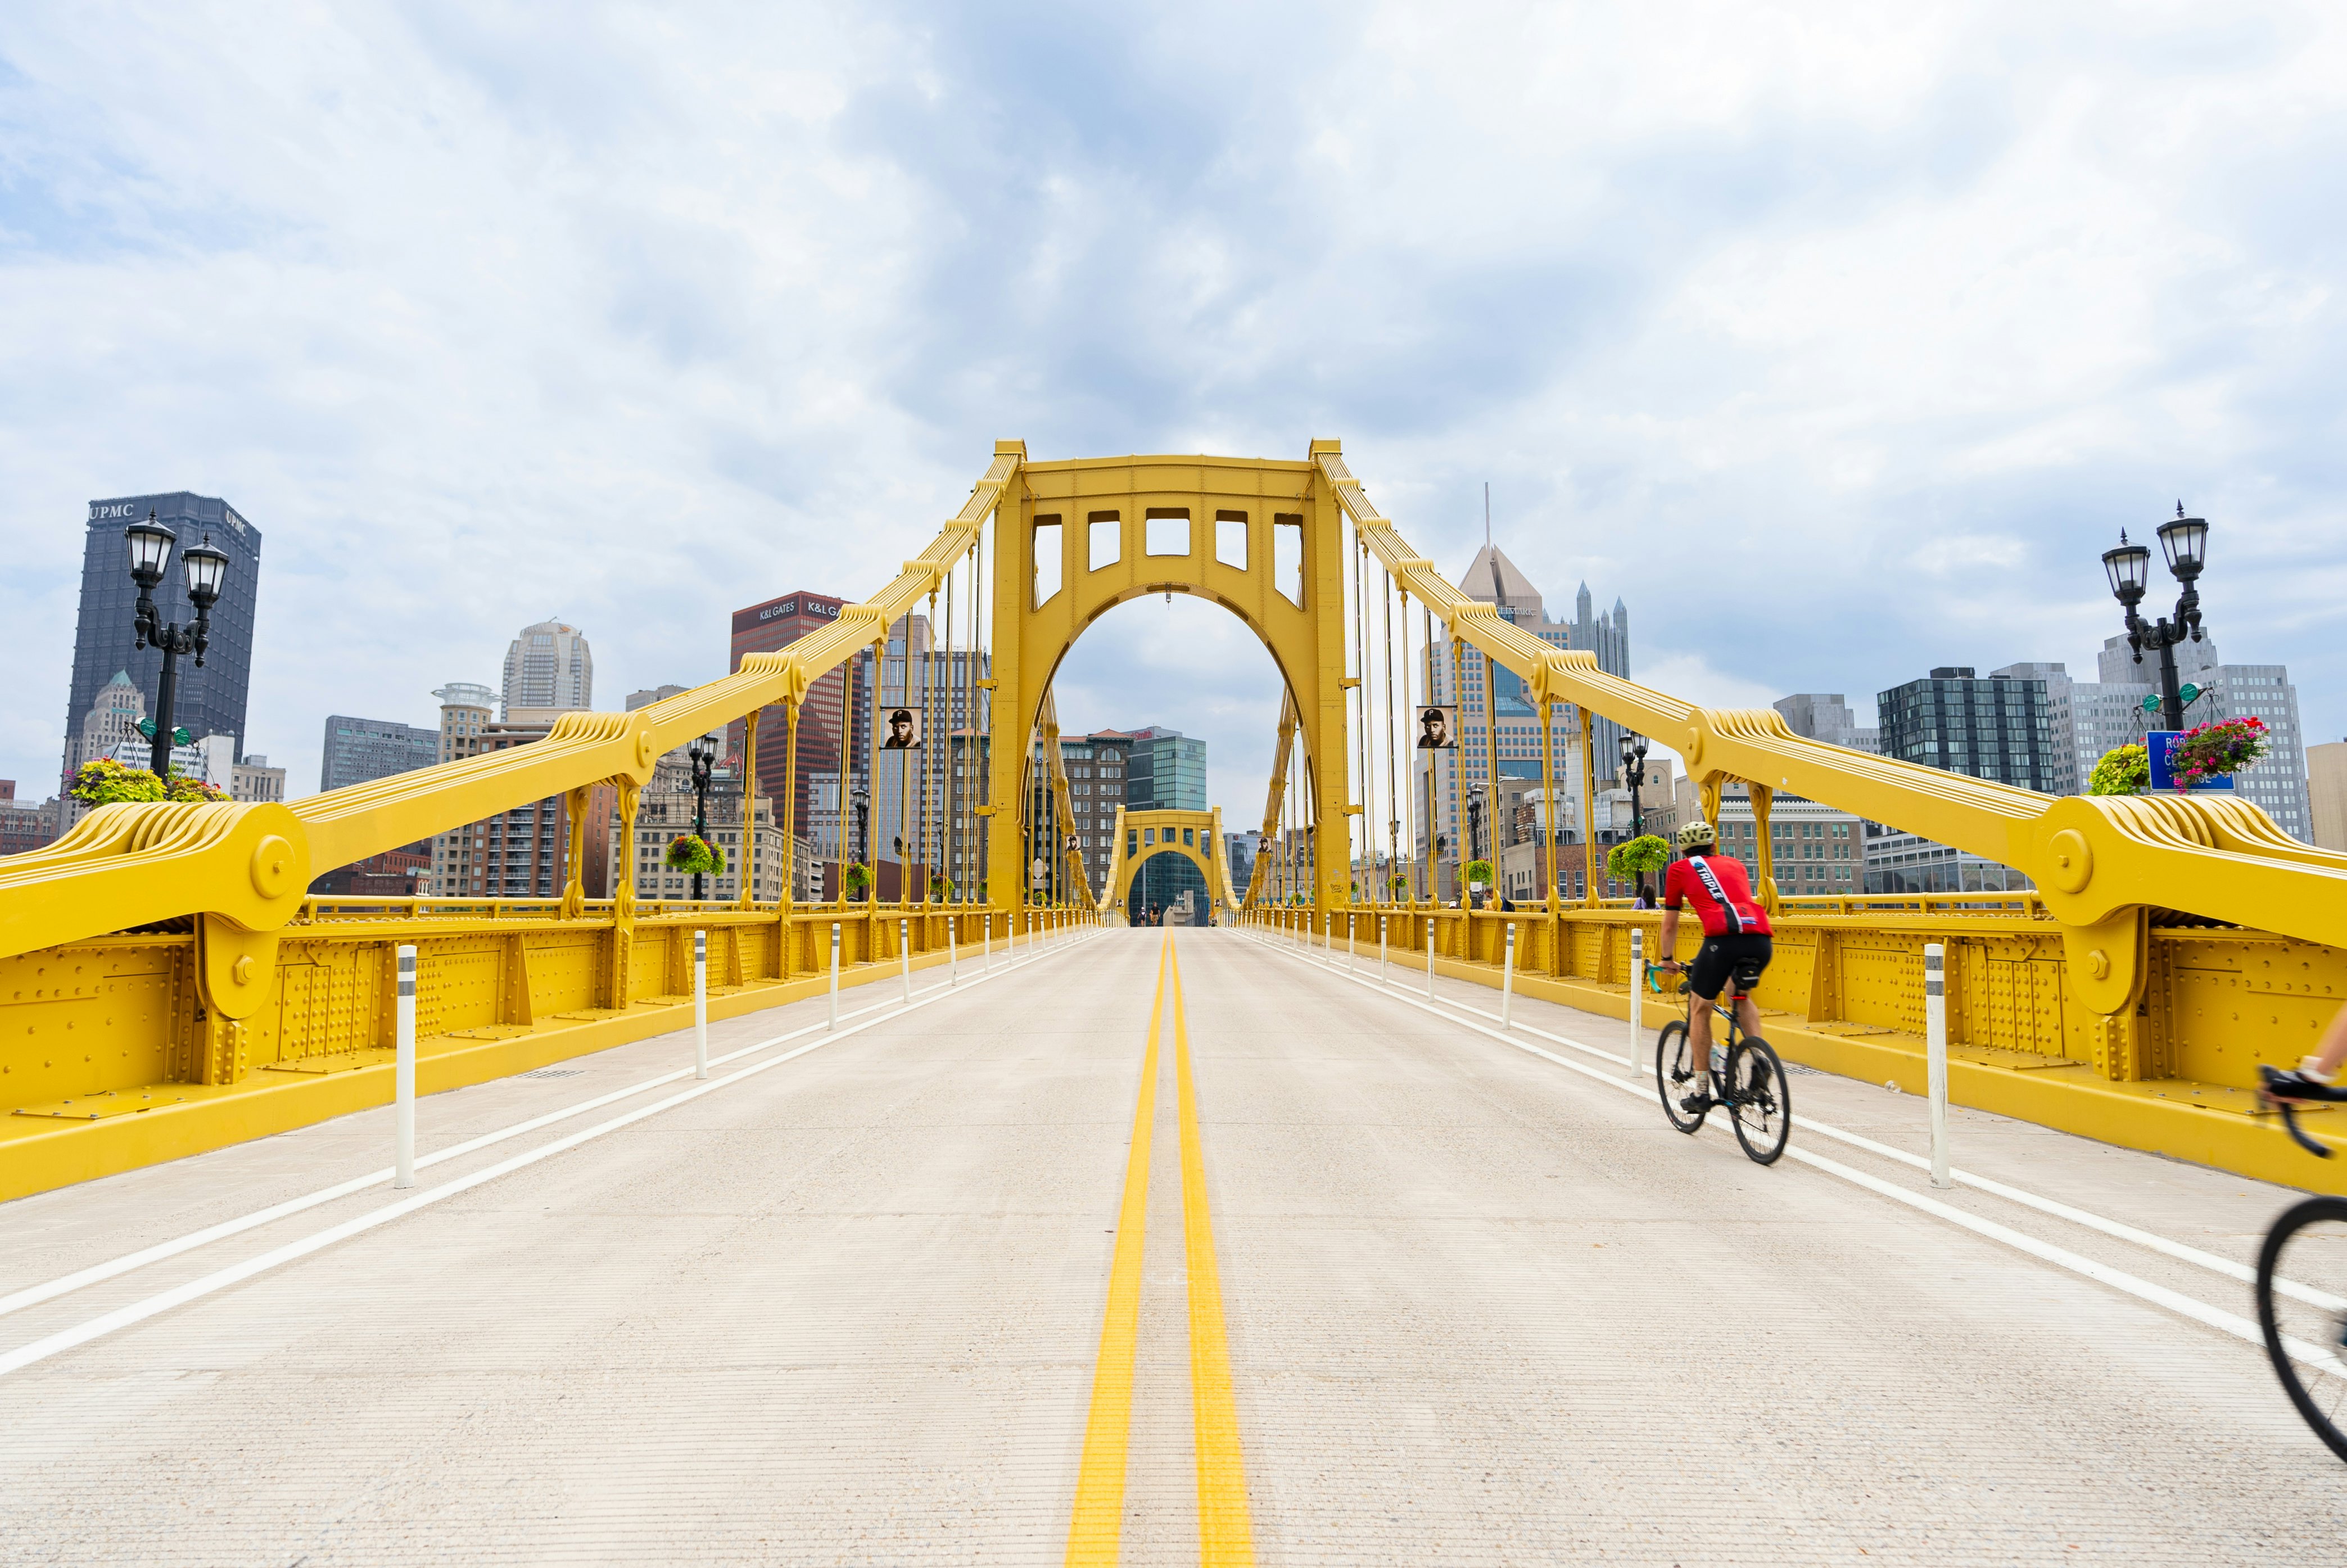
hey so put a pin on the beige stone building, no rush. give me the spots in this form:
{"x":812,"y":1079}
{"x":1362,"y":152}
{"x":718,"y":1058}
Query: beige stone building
{"x":1818,"y":850}
{"x":2326,"y":792}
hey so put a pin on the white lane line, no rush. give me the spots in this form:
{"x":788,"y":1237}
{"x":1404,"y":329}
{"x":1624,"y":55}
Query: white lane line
{"x":2159,"y":1294}
{"x":114,"y":1268}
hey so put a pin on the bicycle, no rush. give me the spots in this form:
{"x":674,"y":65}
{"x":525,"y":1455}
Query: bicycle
{"x":2305,"y":1329}
{"x":1750,"y":1080}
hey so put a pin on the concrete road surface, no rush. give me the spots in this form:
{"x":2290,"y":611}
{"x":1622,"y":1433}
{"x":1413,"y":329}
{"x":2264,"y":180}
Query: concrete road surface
{"x":847,"y":1303}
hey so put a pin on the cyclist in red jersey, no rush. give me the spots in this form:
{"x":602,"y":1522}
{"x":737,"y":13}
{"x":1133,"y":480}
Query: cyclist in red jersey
{"x":1736,"y":934}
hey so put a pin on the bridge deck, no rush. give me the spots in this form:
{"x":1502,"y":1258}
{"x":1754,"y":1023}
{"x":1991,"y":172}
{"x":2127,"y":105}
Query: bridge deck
{"x":846,"y":1308}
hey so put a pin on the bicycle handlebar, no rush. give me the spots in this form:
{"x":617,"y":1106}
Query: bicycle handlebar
{"x":2269,"y":1101}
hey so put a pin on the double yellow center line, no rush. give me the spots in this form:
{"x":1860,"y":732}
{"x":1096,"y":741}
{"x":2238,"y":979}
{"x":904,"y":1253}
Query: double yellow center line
{"x":1225,"y":1536}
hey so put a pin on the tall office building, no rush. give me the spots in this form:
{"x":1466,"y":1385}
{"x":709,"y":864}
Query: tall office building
{"x":549,"y":671}
{"x":1097,"y":766}
{"x":1468,"y":774}
{"x":2326,"y":792}
{"x":359,"y":750}
{"x":206,"y":702}
{"x":2001,"y":729}
{"x":768,"y":628}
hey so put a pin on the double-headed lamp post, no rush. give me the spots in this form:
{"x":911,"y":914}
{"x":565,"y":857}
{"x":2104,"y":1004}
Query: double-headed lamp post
{"x":2185,"y":541}
{"x":206,"y":568}
{"x":702,"y":753}
{"x":1633,"y":768}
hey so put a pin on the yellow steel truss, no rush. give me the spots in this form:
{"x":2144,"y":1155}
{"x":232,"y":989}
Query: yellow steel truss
{"x":1195,"y":835}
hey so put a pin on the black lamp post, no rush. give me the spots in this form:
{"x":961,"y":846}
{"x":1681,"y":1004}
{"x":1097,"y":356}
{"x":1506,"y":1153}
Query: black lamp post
{"x":2185,"y":541}
{"x":863,"y":799}
{"x":702,"y":752}
{"x":206,"y":568}
{"x":1633,"y":768}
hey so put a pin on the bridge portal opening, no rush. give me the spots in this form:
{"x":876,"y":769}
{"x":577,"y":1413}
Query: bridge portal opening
{"x":1190,"y":697}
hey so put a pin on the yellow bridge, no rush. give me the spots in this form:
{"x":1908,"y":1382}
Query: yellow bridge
{"x":970,"y":1225}
{"x":172,"y":989}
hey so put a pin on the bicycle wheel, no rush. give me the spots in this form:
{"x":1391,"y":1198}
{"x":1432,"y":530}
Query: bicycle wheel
{"x":2305,"y":1255}
{"x":1760,"y":1101}
{"x":1671,"y":1056}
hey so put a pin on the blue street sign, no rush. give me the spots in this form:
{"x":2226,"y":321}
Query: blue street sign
{"x":2163,"y":778}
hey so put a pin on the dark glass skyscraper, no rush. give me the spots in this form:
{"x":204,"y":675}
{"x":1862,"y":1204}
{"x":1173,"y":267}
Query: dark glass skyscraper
{"x":210,"y":701}
{"x":1993,"y":729}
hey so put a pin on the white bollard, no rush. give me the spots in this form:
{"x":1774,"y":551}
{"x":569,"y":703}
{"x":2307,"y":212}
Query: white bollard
{"x":1508,"y":981}
{"x":1381,"y":950}
{"x":403,"y":1079}
{"x":953,"y":953}
{"x":905,"y":952}
{"x":985,"y":946}
{"x":1637,"y":992}
{"x":1935,"y":1026}
{"x":1429,"y":957}
{"x":835,"y":974}
{"x":700,"y":1004}
{"x":1352,"y":950}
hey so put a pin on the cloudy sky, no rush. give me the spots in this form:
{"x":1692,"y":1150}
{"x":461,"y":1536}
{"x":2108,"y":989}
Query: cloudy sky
{"x":1837,"y":341}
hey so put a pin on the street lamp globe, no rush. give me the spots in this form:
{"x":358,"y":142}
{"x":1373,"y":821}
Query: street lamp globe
{"x":206,"y":568}
{"x":150,"y":546}
{"x":2129,"y":567}
{"x":2186,"y":541}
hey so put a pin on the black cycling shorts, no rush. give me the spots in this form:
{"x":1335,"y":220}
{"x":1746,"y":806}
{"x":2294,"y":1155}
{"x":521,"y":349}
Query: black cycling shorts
{"x":1721,"y":957}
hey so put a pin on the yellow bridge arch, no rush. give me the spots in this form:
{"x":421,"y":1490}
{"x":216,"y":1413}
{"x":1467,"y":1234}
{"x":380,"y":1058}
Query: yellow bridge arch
{"x":1142,"y":835}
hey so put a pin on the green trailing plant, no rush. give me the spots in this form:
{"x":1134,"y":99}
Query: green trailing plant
{"x":2122,"y":770}
{"x":692,"y":853}
{"x":2213,"y":750}
{"x":1633,"y":858}
{"x":1479,"y":871}
{"x":1399,"y":882}
{"x":183,"y":788}
{"x":857,"y":877}
{"x":941,"y":888}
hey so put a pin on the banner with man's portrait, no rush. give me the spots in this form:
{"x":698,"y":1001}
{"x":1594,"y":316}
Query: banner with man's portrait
{"x":901,"y":730}
{"x":1438,"y":729}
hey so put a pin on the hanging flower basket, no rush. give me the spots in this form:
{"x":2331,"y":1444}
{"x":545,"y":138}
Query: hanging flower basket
{"x":2213,"y":751}
{"x":106,"y":782}
{"x":941,"y":888}
{"x":1399,"y":882}
{"x":1633,"y":858}
{"x":2123,"y":770}
{"x":1478,"y":874}
{"x":857,"y":877}
{"x":689,"y":852}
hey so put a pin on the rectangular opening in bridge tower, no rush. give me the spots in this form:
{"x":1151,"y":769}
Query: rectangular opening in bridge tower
{"x":1167,"y":531}
{"x":1107,"y":543}
{"x":1231,"y":539}
{"x":1288,"y":555}
{"x":1043,"y":548}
